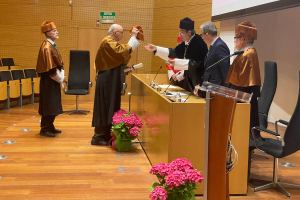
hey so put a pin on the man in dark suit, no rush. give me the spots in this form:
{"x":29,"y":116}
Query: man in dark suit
{"x":217,"y":50}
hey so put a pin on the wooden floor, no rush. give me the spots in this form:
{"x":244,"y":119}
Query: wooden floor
{"x":68,"y":167}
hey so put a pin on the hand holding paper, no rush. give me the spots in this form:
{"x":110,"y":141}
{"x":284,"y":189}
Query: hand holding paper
{"x":133,"y":67}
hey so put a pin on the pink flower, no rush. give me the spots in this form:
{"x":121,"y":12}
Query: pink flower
{"x":134,"y":131}
{"x":194,"y":175}
{"x":162,"y":168}
{"x":159,"y":193}
{"x":175,"y":179}
{"x":117,"y":119}
{"x":129,"y":121}
{"x":181,"y":164}
{"x":133,"y":114}
{"x":138,"y":122}
{"x":120,"y":112}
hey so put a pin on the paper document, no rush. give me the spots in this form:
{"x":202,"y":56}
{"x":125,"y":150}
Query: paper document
{"x":134,"y":67}
{"x":165,"y":86}
{"x":174,"y":94}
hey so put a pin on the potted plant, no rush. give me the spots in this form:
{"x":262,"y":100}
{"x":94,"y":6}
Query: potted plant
{"x":177,"y":180}
{"x":126,"y":127}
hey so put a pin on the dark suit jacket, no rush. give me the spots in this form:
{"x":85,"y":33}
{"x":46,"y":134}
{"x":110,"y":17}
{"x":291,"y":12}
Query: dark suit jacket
{"x":219,"y":72}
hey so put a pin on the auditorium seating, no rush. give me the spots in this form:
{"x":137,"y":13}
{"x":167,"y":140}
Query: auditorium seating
{"x":13,"y":87}
{"x":25,"y":84}
{"x":35,"y":82}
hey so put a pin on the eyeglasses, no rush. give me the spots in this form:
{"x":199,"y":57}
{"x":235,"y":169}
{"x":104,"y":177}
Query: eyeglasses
{"x":236,"y":37}
{"x":120,"y":32}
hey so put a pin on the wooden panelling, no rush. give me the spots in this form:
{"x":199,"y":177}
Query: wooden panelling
{"x":197,"y":2}
{"x":169,"y":3}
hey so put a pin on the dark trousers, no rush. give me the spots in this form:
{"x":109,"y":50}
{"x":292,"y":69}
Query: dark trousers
{"x":47,"y":122}
{"x":102,"y":132}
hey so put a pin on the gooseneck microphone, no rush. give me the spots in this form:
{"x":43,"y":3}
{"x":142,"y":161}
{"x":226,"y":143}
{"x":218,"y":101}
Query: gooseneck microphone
{"x":165,"y":92}
{"x":213,"y":65}
{"x":157,"y":73}
{"x":187,"y":97}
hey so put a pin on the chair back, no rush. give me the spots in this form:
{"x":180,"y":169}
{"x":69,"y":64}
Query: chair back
{"x":267,"y":93}
{"x":292,"y":132}
{"x":17,"y":74}
{"x":79,"y":71}
{"x":0,"y":63}
{"x":5,"y":76}
{"x":8,"y":62}
{"x":30,"y":73}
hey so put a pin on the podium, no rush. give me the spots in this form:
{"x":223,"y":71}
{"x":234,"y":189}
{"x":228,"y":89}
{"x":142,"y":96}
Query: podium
{"x":219,"y":115}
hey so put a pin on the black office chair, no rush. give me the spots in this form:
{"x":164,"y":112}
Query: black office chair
{"x":266,"y":97}
{"x":79,"y":77}
{"x":281,"y":147}
{"x":8,"y":62}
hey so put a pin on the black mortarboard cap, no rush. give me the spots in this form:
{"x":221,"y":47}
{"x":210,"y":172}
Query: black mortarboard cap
{"x":186,"y":24}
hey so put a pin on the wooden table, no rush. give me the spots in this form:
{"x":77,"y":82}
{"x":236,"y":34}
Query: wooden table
{"x":176,"y":130}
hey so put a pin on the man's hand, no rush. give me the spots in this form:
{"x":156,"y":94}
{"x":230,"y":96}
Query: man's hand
{"x":172,"y":62}
{"x":174,"y":77}
{"x":151,"y":47}
{"x":65,"y":78}
{"x":134,"y":32}
{"x":196,"y":91}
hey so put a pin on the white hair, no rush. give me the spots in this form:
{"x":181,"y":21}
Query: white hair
{"x":112,"y":28}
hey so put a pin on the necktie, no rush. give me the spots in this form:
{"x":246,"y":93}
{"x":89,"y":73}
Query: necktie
{"x":55,"y":46}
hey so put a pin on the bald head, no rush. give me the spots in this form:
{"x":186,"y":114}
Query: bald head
{"x":116,"y":32}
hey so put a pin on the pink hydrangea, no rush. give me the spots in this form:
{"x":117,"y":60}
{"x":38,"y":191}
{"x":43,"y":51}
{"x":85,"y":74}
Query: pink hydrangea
{"x":138,"y":122}
{"x":194,"y":175}
{"x":162,"y":168}
{"x":129,"y":121}
{"x":159,"y":193}
{"x":134,"y":131}
{"x":120,"y":112}
{"x":133,"y":114}
{"x":181,"y":164}
{"x":117,"y":119}
{"x":175,"y":179}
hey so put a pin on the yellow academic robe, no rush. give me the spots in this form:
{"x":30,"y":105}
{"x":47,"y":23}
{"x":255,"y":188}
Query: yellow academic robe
{"x":244,"y":71}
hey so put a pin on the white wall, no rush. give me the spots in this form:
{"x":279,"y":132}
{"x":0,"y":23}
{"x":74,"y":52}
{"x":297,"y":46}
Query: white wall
{"x":279,"y":41}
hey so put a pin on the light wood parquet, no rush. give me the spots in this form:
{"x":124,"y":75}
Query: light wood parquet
{"x":68,"y":167}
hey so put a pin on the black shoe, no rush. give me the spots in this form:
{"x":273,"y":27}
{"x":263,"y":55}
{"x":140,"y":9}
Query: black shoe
{"x":56,"y":131}
{"x":99,"y":141}
{"x":47,"y":133}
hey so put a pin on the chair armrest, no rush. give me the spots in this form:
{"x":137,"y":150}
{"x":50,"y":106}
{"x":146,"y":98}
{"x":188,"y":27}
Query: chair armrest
{"x":90,"y":85}
{"x":266,"y":131}
{"x":283,"y":122}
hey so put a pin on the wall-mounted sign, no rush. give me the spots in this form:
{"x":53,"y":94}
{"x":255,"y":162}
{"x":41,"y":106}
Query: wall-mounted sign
{"x":107,"y":15}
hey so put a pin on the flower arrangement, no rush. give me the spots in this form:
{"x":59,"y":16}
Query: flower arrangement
{"x":177,"y":180}
{"x":126,"y":127}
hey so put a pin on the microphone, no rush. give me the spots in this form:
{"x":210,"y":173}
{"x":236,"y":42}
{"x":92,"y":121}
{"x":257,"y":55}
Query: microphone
{"x":157,"y":73}
{"x":213,"y":65}
{"x":187,"y":97}
{"x":165,"y":92}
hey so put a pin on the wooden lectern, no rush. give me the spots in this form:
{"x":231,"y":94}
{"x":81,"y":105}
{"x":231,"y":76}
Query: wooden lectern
{"x":219,"y":113}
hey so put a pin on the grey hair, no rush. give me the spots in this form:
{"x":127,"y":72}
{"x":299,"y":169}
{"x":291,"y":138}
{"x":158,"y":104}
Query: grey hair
{"x":210,"y":28}
{"x":249,"y":40}
{"x":193,"y":32}
{"x":112,"y":28}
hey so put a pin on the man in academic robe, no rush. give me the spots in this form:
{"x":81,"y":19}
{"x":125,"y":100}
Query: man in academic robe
{"x":177,"y":76}
{"x":50,"y":69}
{"x":244,"y":73}
{"x":189,"y":55}
{"x":111,"y":60}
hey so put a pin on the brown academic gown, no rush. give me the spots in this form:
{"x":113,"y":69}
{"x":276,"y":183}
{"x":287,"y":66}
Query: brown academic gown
{"x":110,"y":58}
{"x":48,"y":61}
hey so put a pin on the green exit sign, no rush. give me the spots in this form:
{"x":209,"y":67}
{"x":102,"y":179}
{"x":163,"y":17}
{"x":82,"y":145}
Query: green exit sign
{"x":107,"y":15}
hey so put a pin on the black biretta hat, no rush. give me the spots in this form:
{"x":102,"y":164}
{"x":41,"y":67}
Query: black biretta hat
{"x":186,"y":24}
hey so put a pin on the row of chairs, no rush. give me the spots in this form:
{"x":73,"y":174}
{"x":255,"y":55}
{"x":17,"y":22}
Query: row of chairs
{"x":17,"y":84}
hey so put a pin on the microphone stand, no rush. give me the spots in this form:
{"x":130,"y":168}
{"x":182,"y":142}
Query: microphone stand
{"x":165,"y":92}
{"x":213,"y":65}
{"x":156,"y":73}
{"x":187,"y":97}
